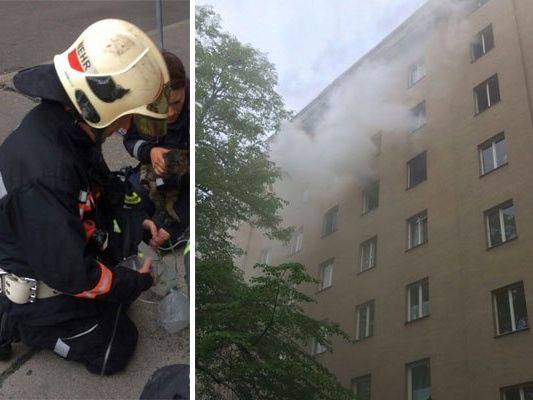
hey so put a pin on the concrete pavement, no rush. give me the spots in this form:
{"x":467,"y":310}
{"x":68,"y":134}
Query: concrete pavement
{"x":42,"y":374}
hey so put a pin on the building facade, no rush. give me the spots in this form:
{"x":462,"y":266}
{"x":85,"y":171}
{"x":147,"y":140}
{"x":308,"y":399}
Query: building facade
{"x":427,"y":262}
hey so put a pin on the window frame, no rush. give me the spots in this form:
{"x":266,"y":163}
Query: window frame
{"x":500,"y":207}
{"x":416,"y":118}
{"x":370,"y":310}
{"x":264,"y":255}
{"x":297,"y":241}
{"x":508,"y":290}
{"x":417,"y":65}
{"x":480,"y":37}
{"x":410,"y":185}
{"x":486,"y":86}
{"x":409,"y":368}
{"x":520,"y":387}
{"x":330,"y":263}
{"x":365,"y":379}
{"x":372,"y":186}
{"x":373,"y":245}
{"x":420,"y":285}
{"x":476,"y":5}
{"x":333,"y":211}
{"x":491,"y":143}
{"x":424,"y":221}
{"x":377,"y":140}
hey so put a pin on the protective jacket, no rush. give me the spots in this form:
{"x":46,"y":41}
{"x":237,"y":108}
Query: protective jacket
{"x":139,"y":146}
{"x":48,"y":211}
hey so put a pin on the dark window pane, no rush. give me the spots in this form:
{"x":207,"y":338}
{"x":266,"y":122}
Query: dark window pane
{"x":494,"y":228}
{"x":504,"y":313}
{"x":477,"y":48}
{"x":371,"y":197}
{"x":488,"y":37}
{"x":494,"y":90}
{"x":512,"y":394}
{"x":420,"y":382}
{"x":501,"y":152}
{"x":417,"y":170}
{"x":371,"y":319}
{"x":488,"y":159}
{"x":481,"y":98}
{"x":509,"y":223}
{"x":528,"y":392}
{"x":362,"y":388}
{"x":519,"y":304}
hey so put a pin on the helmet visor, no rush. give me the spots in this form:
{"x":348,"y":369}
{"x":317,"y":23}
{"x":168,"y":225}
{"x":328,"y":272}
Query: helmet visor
{"x":149,"y":126}
{"x":155,"y":127}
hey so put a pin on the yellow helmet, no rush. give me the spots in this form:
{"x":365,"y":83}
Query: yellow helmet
{"x":114,"y":69}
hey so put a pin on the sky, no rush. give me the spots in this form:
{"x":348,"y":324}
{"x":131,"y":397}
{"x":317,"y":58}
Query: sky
{"x":311,"y":42}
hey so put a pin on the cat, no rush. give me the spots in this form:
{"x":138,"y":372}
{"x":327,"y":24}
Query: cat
{"x":177,"y":166}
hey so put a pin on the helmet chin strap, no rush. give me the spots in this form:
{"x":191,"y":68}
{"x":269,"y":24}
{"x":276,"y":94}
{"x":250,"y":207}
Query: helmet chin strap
{"x":98,"y":136}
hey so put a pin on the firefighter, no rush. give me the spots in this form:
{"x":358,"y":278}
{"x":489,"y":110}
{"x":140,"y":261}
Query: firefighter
{"x":148,"y":149}
{"x":57,"y":292}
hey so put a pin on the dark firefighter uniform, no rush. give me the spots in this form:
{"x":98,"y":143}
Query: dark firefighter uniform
{"x":48,"y":215}
{"x":139,"y":146}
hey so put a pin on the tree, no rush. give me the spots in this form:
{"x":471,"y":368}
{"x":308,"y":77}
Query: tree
{"x":237,"y":108}
{"x":250,"y":336}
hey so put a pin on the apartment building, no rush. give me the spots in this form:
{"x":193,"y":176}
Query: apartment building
{"x":427,"y":262}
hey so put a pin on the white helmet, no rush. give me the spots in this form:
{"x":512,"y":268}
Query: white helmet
{"x":114,"y":69}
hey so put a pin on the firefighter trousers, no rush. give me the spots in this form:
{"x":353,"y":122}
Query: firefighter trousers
{"x":104,"y":344}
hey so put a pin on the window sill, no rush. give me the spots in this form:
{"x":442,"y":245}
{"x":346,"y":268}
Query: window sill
{"x":366,"y":270}
{"x":319,"y":291}
{"x":418,"y":129}
{"x":362,"y":339}
{"x":416,"y":320}
{"x":481,"y":56}
{"x":369,"y":211}
{"x":413,"y":186}
{"x":511,"y":333}
{"x":328,"y":234}
{"x":413,"y":84}
{"x":417,"y":246}
{"x":487,"y":109}
{"x":501,"y":244}
{"x":494,"y":169}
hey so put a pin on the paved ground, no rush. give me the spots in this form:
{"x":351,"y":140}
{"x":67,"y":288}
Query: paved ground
{"x":31,"y":32}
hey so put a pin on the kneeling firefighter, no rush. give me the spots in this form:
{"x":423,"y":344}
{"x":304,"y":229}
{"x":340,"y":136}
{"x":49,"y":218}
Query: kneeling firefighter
{"x":59,"y":291}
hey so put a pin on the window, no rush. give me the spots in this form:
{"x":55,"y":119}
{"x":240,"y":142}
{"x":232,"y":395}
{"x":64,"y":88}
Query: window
{"x":416,"y":170}
{"x":501,"y":225}
{"x":417,"y":300}
{"x":368,"y":254}
{"x":493,"y":154}
{"x":297,"y":240}
{"x":483,"y":42}
{"x":330,"y":221}
{"x":365,"y":321}
{"x":361,"y":387}
{"x":417,"y":230}
{"x":487,"y":94}
{"x":510,"y":309}
{"x":522,"y":392}
{"x":317,"y":348}
{"x":264,"y":257}
{"x":376,"y":140}
{"x":371,"y":197}
{"x":417,"y":71}
{"x":418,"y":116}
{"x":473,"y":5}
{"x":419,"y":381}
{"x":326,"y":274}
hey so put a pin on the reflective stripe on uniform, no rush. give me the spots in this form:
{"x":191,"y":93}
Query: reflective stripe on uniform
{"x":137,"y":147}
{"x":132,"y":199}
{"x":102,"y":287}
{"x":3,"y":190}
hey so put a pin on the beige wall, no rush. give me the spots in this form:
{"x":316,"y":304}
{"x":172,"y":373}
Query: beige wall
{"x":467,"y":361}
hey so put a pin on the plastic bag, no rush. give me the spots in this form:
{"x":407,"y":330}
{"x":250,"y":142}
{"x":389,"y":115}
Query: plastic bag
{"x":174,"y":311}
